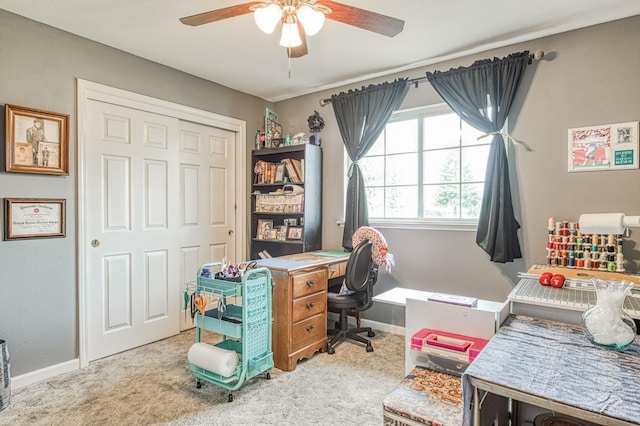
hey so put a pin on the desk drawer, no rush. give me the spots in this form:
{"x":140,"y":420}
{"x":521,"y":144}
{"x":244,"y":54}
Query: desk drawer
{"x":336,"y":270}
{"x":305,"y":283}
{"x":308,"y":330}
{"x":307,"y":306}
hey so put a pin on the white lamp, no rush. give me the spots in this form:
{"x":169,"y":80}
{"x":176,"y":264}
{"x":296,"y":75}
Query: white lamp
{"x":290,"y":35}
{"x":311,"y":19}
{"x":267,"y":17}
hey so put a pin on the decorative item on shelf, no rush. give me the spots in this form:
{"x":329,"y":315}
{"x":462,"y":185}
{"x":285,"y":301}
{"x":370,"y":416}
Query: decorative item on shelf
{"x":316,"y":124}
{"x":607,"y":324}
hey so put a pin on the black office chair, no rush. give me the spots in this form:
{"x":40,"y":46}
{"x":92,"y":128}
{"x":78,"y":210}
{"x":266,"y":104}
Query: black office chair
{"x":360,"y":277}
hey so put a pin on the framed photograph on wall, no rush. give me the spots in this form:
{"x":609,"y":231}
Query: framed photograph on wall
{"x":604,"y":147}
{"x":294,"y":233}
{"x":36,"y":141}
{"x":34,"y":218}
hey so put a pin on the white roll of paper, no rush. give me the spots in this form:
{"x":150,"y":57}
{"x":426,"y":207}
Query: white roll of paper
{"x":602,"y":223}
{"x":212,"y":358}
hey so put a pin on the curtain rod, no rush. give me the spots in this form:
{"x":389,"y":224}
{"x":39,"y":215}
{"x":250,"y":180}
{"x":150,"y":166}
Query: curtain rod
{"x":539,"y":54}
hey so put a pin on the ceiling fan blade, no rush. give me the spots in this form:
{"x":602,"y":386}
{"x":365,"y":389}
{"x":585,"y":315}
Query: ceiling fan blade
{"x":362,"y":18}
{"x":219,"y":14}
{"x":297,"y":52}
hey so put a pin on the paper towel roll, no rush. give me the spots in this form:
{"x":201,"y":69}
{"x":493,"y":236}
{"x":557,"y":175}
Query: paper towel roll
{"x":602,"y":223}
{"x":212,"y":358}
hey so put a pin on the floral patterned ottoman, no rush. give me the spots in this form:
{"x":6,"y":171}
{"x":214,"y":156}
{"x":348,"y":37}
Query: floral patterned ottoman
{"x":424,"y":397}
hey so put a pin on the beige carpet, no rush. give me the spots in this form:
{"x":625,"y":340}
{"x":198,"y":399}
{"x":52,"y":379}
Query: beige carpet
{"x":150,"y":385}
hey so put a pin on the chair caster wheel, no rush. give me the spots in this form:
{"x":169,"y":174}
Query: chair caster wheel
{"x":331,"y":351}
{"x":371,"y":334}
{"x":369,"y":348}
{"x":230,"y":398}
{"x":198,"y":384}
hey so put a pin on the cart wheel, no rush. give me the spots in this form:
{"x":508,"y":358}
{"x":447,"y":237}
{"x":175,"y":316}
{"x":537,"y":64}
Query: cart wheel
{"x":371,"y":334}
{"x":230,"y":397}
{"x":267,"y":376}
{"x":198,"y":384}
{"x":369,"y":348}
{"x":331,"y":351}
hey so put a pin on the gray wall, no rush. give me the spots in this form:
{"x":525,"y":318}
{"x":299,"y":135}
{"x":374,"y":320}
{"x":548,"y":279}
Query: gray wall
{"x":589,"y":77}
{"x":40,"y":65}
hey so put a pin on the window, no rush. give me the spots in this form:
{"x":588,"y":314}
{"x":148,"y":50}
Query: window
{"x":426,"y":166}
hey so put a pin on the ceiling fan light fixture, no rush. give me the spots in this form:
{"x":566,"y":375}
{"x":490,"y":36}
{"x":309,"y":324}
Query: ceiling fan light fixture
{"x":267,"y":17}
{"x":290,"y":35}
{"x":312,"y":20}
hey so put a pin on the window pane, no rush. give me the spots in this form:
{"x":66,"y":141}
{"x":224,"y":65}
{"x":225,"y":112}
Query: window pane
{"x":471,"y":200}
{"x":474,"y":163}
{"x":441,"y":131}
{"x":402,"y":136}
{"x":378,"y":146}
{"x":470,"y":135}
{"x":375,"y":201}
{"x":442,"y":201}
{"x":441,"y":166}
{"x":372,"y":170}
{"x":402,"y":169}
{"x":402,"y":202}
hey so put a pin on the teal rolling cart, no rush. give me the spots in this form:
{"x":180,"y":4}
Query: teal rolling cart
{"x":243,"y":318}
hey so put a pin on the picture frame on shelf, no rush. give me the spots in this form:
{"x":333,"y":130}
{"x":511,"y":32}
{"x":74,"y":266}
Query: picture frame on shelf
{"x":280,"y":167}
{"x":273,"y":128}
{"x":294,"y":233}
{"x":36,"y":141}
{"x":282,"y":232}
{"x":270,"y":234}
{"x":292,"y":221}
{"x":263,"y":225}
{"x":27,"y":218}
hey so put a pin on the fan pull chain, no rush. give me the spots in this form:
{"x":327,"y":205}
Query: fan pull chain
{"x":289,"y":58}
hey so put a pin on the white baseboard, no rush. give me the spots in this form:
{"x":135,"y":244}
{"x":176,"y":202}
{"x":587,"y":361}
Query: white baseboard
{"x":44,"y":373}
{"x":387,"y":328}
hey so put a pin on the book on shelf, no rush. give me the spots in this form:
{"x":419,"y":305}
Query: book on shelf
{"x":294,"y":169}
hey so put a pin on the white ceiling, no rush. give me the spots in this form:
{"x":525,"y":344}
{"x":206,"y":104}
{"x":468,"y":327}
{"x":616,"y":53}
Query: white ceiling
{"x":234,"y":52}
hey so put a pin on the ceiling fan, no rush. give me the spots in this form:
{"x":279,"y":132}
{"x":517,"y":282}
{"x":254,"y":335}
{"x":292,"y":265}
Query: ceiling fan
{"x":301,"y":18}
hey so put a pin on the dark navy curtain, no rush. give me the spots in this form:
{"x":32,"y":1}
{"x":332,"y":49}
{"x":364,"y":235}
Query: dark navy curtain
{"x":361,"y":116}
{"x":482,"y":95}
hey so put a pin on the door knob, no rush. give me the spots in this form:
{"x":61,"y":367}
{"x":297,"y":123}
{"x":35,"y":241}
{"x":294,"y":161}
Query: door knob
{"x":95,"y":243}
{"x":231,"y":232}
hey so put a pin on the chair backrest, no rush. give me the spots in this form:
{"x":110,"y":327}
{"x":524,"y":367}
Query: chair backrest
{"x":361,"y":273}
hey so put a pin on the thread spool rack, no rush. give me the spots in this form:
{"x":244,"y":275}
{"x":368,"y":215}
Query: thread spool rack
{"x":568,"y":247}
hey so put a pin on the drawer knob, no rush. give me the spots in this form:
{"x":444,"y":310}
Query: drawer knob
{"x":309,"y":283}
{"x":310,"y":305}
{"x":310,"y":327}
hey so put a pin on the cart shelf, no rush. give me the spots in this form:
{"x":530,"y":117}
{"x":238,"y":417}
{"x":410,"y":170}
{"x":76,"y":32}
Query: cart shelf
{"x":243,"y":318}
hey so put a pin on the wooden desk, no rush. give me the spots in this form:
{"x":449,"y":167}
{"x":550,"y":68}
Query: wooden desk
{"x":300,"y":303}
{"x":552,"y":365}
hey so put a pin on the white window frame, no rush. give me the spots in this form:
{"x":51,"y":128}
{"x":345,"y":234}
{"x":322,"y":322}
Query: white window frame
{"x":428,"y":224}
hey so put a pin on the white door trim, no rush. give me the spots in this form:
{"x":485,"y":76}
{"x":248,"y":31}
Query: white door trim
{"x":86,"y":91}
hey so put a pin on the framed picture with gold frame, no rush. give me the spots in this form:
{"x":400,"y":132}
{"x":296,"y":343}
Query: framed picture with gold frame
{"x":36,"y":141}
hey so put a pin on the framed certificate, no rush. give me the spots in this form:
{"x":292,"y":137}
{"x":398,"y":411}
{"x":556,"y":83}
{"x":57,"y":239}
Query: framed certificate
{"x":34,"y":218}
